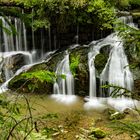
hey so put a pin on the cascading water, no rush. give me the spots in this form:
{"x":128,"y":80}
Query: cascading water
{"x":65,"y":85}
{"x":63,"y":88}
{"x":13,"y":44}
{"x":95,"y":47}
{"x":116,"y":71}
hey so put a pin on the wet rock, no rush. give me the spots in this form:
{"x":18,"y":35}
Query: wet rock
{"x":117,"y":116}
{"x":136,"y":95}
{"x":82,"y":75}
{"x":132,"y":114}
{"x":10,"y":64}
{"x":50,"y":64}
{"x":100,"y":62}
{"x":22,"y":84}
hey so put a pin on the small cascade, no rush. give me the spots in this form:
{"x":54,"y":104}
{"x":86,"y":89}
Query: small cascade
{"x":95,"y":47}
{"x":12,"y":61}
{"x":129,"y":21}
{"x":10,"y":41}
{"x":13,"y":51}
{"x":92,"y":73}
{"x":64,"y":86}
{"x":116,"y":71}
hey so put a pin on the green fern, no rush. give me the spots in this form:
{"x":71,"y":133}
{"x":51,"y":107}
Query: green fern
{"x":130,"y":127}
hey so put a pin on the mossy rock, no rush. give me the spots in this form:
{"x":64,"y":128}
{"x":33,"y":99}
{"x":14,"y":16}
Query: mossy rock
{"x":82,"y":72}
{"x":21,"y":84}
{"x":97,"y":133}
{"x":100,"y":62}
{"x":117,"y":116}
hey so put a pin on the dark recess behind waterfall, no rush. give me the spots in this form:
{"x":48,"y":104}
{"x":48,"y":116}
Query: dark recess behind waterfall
{"x":52,"y":39}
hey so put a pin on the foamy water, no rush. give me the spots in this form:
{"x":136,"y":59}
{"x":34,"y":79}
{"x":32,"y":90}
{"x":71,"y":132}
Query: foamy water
{"x":65,"y":99}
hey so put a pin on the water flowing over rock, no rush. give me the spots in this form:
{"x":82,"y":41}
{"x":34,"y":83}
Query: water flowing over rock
{"x":13,"y":47}
{"x":116,"y":71}
{"x":109,"y":51}
{"x":65,"y":85}
{"x":12,"y":61}
{"x":13,"y":39}
{"x":94,"y":51}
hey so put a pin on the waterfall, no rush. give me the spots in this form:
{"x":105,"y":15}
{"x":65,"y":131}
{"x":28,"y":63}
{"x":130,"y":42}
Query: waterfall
{"x":13,"y":44}
{"x":64,"y":86}
{"x":10,"y":41}
{"x":116,"y":71}
{"x":95,"y":47}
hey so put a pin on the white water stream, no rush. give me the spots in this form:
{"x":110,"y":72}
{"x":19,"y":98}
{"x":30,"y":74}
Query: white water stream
{"x":116,"y":72}
{"x":65,"y":85}
{"x":63,"y":88}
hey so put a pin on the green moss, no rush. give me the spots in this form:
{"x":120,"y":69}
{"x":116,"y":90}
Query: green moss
{"x":100,"y":62}
{"x":97,"y":133}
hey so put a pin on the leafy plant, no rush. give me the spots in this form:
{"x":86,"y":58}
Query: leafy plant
{"x":63,"y":13}
{"x":117,"y":89}
{"x":40,"y":76}
{"x":16,"y":124}
{"x":12,"y":123}
{"x":131,"y":38}
{"x":127,"y":126}
{"x":74,"y":64}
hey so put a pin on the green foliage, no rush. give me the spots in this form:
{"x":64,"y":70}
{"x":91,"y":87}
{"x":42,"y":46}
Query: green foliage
{"x":118,"y":91}
{"x":40,"y":24}
{"x":42,"y":76}
{"x":103,"y":12}
{"x":43,"y":13}
{"x":130,"y":127}
{"x":135,"y":2}
{"x":14,"y":124}
{"x":38,"y":76}
{"x":74,"y":64}
{"x":131,"y":37}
